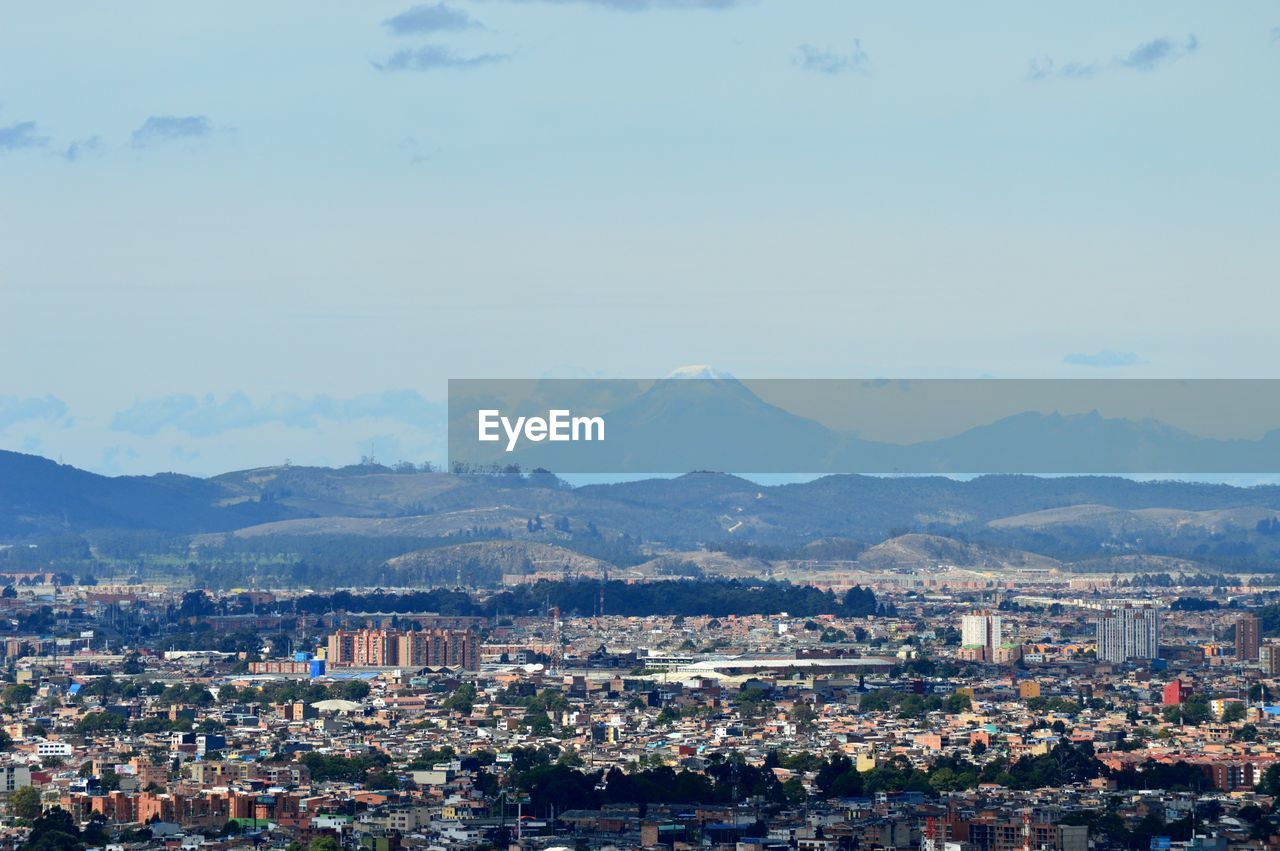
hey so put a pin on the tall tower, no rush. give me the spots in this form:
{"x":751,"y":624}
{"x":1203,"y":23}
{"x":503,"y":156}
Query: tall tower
{"x":981,"y":630}
{"x":1248,"y":638}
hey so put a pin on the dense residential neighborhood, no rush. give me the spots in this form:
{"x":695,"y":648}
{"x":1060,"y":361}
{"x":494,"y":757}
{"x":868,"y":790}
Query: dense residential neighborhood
{"x":950,"y":712}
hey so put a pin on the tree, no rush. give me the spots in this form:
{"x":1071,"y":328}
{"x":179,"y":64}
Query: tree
{"x":324,"y":843}
{"x":669,"y":715}
{"x":1194,"y":712}
{"x":19,"y":694}
{"x":354,"y":690}
{"x":752,"y":699}
{"x":1270,"y":783}
{"x":538,"y":723}
{"x":54,"y":831}
{"x":99,"y":721}
{"x":838,"y":777}
{"x":946,"y":780}
{"x":95,"y":832}
{"x":381,"y":780}
{"x":859,"y":602}
{"x":462,"y":699}
{"x":1234,"y":711}
{"x":1250,"y":813}
{"x":25,"y":802}
{"x":804,"y":716}
{"x":195,"y":604}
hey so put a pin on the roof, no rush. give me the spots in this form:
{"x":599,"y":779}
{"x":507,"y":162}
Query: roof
{"x":783,"y":664}
{"x":337,"y":706}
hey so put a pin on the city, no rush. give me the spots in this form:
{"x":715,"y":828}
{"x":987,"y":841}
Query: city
{"x":1085,"y":716}
{"x":675,"y":425}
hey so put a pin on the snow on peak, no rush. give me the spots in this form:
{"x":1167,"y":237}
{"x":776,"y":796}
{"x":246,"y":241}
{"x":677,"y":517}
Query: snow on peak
{"x":699,"y":371}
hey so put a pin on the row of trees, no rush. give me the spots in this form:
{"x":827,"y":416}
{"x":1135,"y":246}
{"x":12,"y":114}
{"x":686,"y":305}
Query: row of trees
{"x":552,"y":779}
{"x":716,"y":597}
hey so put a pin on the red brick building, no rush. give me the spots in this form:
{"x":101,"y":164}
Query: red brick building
{"x":1176,"y":693}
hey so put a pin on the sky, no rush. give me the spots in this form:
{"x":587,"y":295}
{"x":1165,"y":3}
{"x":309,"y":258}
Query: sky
{"x":234,"y":233}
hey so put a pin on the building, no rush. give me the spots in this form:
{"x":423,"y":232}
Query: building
{"x":1176,"y":693}
{"x":439,"y":648}
{"x":1230,"y":776}
{"x":1248,"y":638}
{"x":215,"y":773}
{"x":46,"y":749}
{"x":14,"y":776}
{"x":149,"y":773}
{"x":280,"y":666}
{"x":387,"y":648}
{"x":209,"y":742}
{"x":981,"y":630}
{"x":991,"y":833}
{"x":1269,"y":659}
{"x":1128,"y":633}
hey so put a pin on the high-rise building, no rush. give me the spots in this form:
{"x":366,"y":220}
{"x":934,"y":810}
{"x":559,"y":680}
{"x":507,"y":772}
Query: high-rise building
{"x":439,"y":648}
{"x":1248,"y":638}
{"x":981,"y":631}
{"x":1128,"y":633}
{"x":1269,"y":659}
{"x":383,"y":648}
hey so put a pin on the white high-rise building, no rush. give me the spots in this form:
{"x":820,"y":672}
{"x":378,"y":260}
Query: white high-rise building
{"x":1128,"y":633}
{"x":981,"y":630}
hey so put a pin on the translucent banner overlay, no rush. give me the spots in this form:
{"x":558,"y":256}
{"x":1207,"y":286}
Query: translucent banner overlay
{"x":677,"y":425}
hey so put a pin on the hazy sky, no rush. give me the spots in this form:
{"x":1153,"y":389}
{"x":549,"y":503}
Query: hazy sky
{"x":234,"y":232}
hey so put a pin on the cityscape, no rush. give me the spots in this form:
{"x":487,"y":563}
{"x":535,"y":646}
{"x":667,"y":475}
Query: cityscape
{"x":639,"y":425}
{"x":941,"y":708}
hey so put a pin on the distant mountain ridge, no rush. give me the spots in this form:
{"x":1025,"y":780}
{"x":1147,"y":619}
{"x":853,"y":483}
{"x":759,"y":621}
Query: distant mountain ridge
{"x":700,"y":419}
{"x":1066,"y":518}
{"x":43,"y":497}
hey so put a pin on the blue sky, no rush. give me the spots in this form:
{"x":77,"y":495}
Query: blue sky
{"x":237,"y":232}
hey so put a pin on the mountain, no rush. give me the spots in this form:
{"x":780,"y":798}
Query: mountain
{"x":41,"y":497}
{"x":699,"y":419}
{"x":699,"y":371}
{"x":1141,"y":520}
{"x":319,"y":514}
{"x":1032,"y":442}
{"x":488,"y":561}
{"x":915,"y":550}
{"x":360,"y":491}
{"x":686,"y":422}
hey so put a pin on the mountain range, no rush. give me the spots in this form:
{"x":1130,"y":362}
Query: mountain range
{"x":675,"y":425}
{"x":1014,"y":518}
